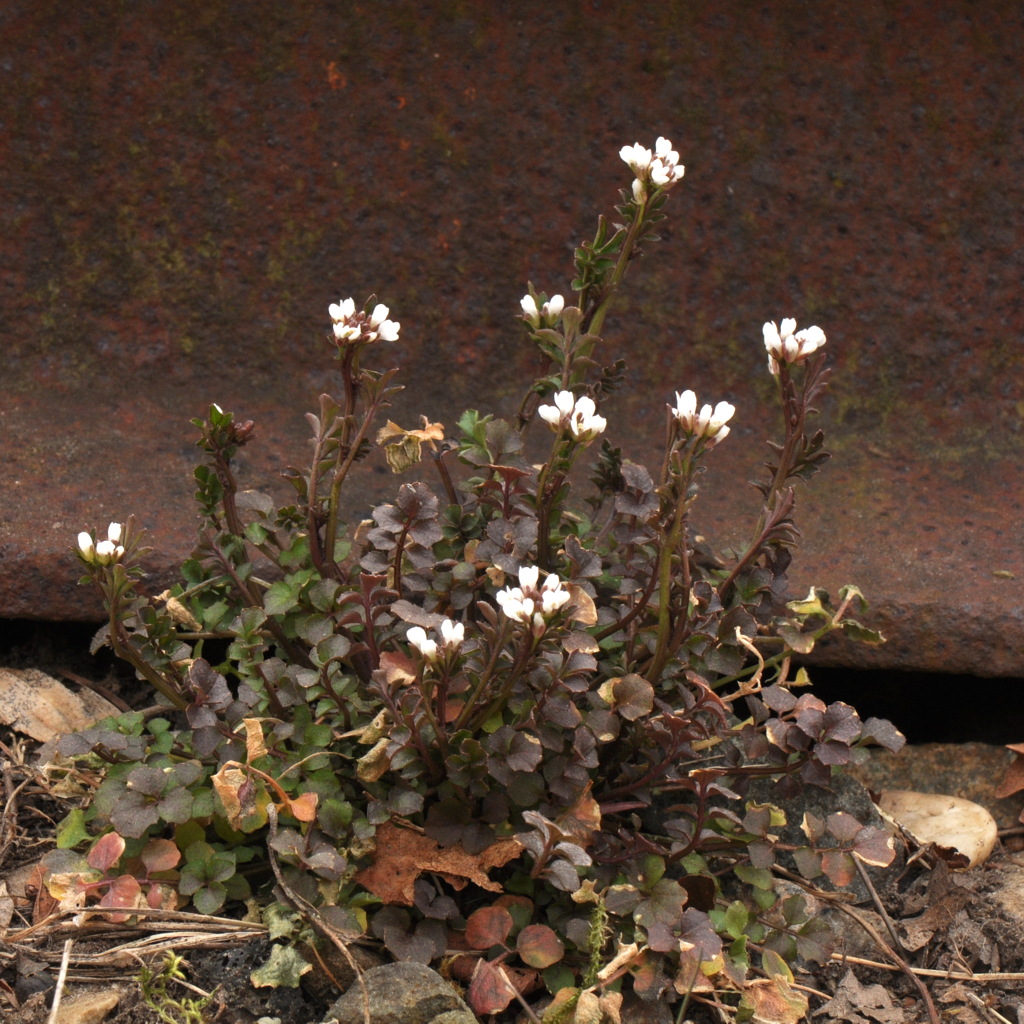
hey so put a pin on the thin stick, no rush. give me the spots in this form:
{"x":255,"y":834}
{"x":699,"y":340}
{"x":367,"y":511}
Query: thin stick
{"x":979,"y":1004}
{"x":889,"y":926}
{"x":930,"y":972}
{"x":59,"y":991}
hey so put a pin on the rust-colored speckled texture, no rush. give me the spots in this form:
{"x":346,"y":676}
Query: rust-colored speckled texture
{"x":184,"y":187}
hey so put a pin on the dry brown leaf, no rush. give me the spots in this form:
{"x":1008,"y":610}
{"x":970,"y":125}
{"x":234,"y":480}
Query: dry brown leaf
{"x":774,"y":1001}
{"x":403,"y":855}
{"x":949,"y":822}
{"x":1013,"y":780}
{"x":33,"y":703}
{"x":255,"y":744}
{"x":583,"y":820}
{"x":582,"y":607}
{"x":855,"y":1003}
{"x":88,"y":1007}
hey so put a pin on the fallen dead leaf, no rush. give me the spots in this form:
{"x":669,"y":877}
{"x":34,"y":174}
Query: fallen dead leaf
{"x":947,"y":821}
{"x":403,"y":855}
{"x":855,"y":1003}
{"x":42,"y":707}
{"x":88,"y":1007}
{"x":1013,"y":780}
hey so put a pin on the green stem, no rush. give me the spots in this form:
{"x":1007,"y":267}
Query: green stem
{"x":484,"y":679}
{"x":675,"y":540}
{"x":352,"y":448}
{"x":628,"y":243}
{"x":124,"y":650}
{"x":501,"y":698}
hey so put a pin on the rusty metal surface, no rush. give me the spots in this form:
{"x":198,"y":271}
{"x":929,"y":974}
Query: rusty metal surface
{"x":185,"y":187}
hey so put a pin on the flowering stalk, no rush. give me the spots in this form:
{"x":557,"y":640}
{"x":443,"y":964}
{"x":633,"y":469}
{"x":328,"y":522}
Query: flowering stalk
{"x":110,"y":565}
{"x":438,"y":656}
{"x":353,"y":332}
{"x":656,"y":173}
{"x":691,"y":434}
{"x":797,"y":455}
{"x":576,"y":424}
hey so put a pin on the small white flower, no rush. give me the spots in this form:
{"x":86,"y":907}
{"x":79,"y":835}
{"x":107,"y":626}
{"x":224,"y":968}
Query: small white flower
{"x":530,"y":311}
{"x":528,"y":576}
{"x":552,"y":309}
{"x":104,"y":552}
{"x":107,"y":552}
{"x":638,"y":158}
{"x":530,"y":605}
{"x":351,"y":324}
{"x":385,"y":329}
{"x":660,"y":168}
{"x":553,"y":595}
{"x":709,"y":423}
{"x":547,"y":315}
{"x":515,"y":604}
{"x":584,"y":423}
{"x":787,"y":345}
{"x":343,"y":310}
{"x":452,"y":634}
{"x":417,"y":636}
{"x":577,"y":415}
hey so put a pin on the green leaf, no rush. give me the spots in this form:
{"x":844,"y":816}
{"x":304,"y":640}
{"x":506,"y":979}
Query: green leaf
{"x":664,"y":904}
{"x":861,"y":633}
{"x":760,"y":878}
{"x":285,"y":968}
{"x":210,"y":898}
{"x":280,"y":598}
{"x":72,"y":831}
{"x":281,"y":921}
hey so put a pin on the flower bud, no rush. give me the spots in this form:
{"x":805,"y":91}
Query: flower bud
{"x":417,"y":636}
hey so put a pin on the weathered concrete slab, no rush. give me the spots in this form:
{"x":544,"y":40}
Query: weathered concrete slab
{"x":185,"y":187}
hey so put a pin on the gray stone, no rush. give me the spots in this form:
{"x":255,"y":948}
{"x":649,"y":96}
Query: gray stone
{"x":402,"y":993}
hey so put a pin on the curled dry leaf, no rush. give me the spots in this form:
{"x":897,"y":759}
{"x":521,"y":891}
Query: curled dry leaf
{"x":947,"y":821}
{"x":403,"y":855}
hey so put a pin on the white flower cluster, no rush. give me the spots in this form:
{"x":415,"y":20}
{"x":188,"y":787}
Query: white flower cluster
{"x":352,"y":325}
{"x":106,"y":552}
{"x":547,"y":315}
{"x":708,"y":423}
{"x":532,"y":605}
{"x":785,"y":346}
{"x":451,"y":635}
{"x":661,"y":168}
{"x":577,"y":415}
